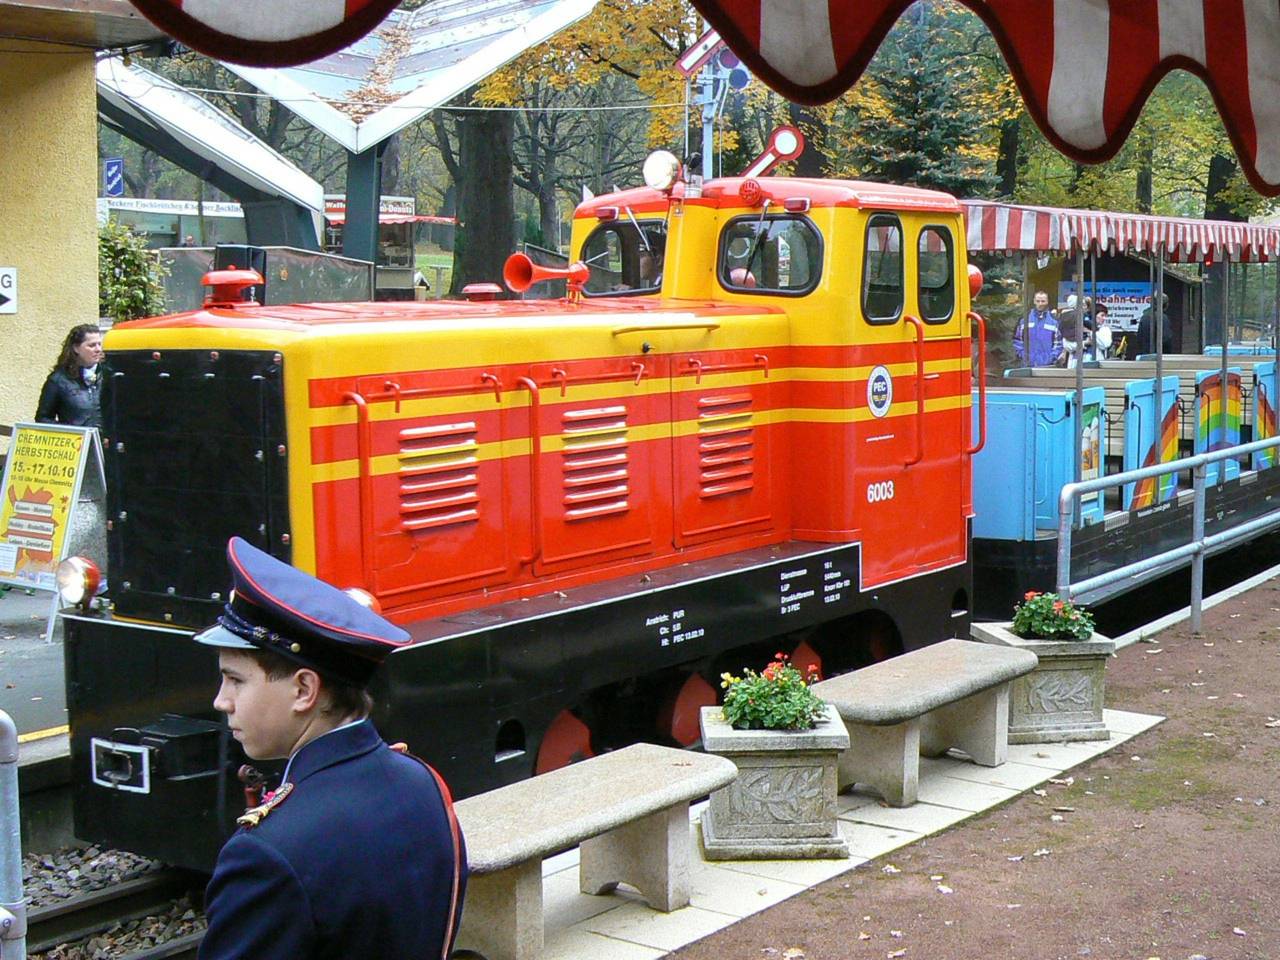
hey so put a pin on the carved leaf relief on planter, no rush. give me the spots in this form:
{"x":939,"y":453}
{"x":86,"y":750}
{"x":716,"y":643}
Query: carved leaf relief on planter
{"x":1059,"y":694}
{"x":778,"y":795}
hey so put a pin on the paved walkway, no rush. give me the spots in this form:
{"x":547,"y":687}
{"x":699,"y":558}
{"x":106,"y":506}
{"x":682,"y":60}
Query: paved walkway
{"x":619,"y":926}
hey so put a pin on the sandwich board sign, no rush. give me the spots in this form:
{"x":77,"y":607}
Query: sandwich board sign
{"x":47,"y":467}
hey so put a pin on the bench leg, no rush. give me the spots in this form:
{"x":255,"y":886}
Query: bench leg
{"x":651,"y":854}
{"x":502,"y":916}
{"x":887,"y":759}
{"x":978,"y":725}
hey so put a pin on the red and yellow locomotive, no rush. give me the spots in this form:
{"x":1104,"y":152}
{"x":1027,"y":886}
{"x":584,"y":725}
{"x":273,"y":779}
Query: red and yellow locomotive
{"x":747,"y":428}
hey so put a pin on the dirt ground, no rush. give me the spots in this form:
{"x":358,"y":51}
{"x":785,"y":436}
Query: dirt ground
{"x":1170,"y":848}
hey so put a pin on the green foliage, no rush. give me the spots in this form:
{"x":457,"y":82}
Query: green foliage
{"x":129,"y":275}
{"x":1044,"y":616}
{"x":919,"y":116}
{"x":777,"y":698}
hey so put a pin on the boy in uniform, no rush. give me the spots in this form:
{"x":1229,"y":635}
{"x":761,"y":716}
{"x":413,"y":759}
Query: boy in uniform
{"x":357,"y":854}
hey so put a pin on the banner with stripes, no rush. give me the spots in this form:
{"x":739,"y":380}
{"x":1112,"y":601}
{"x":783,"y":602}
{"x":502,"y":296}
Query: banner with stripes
{"x":274,"y":33}
{"x":1084,"y":67}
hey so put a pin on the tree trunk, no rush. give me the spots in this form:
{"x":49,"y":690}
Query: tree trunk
{"x":813,"y":161}
{"x":549,"y":212}
{"x":1221,"y":168}
{"x":1143,"y":192}
{"x":1007,"y":157}
{"x":486,"y":208}
{"x":391,"y":166}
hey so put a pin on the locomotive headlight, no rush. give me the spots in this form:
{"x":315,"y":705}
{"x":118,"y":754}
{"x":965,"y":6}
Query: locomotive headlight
{"x":661,"y":170}
{"x":78,"y":579}
{"x":364,"y":598}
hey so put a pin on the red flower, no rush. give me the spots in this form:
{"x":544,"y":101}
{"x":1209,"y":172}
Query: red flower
{"x":771,"y":671}
{"x":1030,"y":595}
{"x":1057,"y":606}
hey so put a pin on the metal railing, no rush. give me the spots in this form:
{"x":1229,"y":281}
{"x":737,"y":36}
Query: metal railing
{"x":13,"y":908}
{"x":1196,"y":549}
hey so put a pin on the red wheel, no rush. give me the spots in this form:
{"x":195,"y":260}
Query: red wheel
{"x":678,"y":718}
{"x":807,"y":660}
{"x":566,"y":741}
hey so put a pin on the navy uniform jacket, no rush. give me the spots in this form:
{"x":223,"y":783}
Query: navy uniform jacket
{"x":362,"y":859}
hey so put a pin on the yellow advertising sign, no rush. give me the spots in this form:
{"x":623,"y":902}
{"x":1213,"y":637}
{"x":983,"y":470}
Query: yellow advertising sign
{"x":41,"y":485}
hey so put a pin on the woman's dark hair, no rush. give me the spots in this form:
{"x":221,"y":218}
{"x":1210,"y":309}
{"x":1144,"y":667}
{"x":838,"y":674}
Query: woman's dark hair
{"x":68,"y":362}
{"x":344,"y":699}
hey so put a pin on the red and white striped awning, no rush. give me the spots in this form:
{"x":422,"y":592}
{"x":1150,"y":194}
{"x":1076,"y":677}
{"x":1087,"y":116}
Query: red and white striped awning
{"x":1010,"y":227}
{"x":1085,"y":67}
{"x":277,"y":33}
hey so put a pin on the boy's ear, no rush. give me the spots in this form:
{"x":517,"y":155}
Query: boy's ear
{"x":306,"y":689}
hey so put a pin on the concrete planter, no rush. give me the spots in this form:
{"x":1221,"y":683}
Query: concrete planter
{"x":1062,"y":699}
{"x":782,"y":806}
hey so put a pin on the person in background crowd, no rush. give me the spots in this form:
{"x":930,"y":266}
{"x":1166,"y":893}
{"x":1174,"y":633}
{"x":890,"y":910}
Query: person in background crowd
{"x":1036,"y":340}
{"x":1146,"y":342}
{"x":1102,"y":332}
{"x":188,"y":241}
{"x":71,"y":391}
{"x":357,"y":854}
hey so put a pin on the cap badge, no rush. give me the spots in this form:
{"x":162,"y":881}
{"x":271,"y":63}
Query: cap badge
{"x":254,"y":816}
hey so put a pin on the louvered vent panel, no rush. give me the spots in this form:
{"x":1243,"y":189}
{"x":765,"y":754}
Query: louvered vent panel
{"x":726,"y":445}
{"x":439,"y":476}
{"x":597,"y":469}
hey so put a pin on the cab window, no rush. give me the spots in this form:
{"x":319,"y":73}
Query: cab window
{"x":936,"y":269}
{"x":771,"y":255}
{"x":882,"y":269}
{"x":625,"y":258}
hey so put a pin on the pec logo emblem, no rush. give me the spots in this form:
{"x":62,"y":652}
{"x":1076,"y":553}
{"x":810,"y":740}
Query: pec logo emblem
{"x":879,"y":391}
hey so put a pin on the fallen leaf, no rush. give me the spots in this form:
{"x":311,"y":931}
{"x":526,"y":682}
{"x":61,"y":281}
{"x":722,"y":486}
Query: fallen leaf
{"x":896,"y":934}
{"x":1017,"y":859}
{"x":768,"y":951}
{"x":1042,"y":852}
{"x":1209,"y":643}
{"x":793,"y":953}
{"x":863,"y":935}
{"x":897,"y":953}
{"x":1212,"y":696}
{"x":1238,"y":932}
{"x":1139,"y":826}
{"x":1273,"y":723}
{"x":1155,"y":650}
{"x":1064,"y":782}
{"x":1065,"y":809}
{"x":1040,"y":793}
{"x":1012,"y":906}
{"x":1233,"y":616}
{"x":936,"y":876}
{"x":1057,"y":818}
{"x":943,"y":888}
{"x":890,"y":869}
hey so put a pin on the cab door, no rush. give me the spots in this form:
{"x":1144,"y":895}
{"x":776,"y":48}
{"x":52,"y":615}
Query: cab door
{"x":911,"y":392}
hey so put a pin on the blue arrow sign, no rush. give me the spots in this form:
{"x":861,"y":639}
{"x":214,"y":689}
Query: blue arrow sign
{"x":113,"y":177}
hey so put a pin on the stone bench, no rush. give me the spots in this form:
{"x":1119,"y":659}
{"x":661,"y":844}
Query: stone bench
{"x":629,"y":811}
{"x":949,"y":694}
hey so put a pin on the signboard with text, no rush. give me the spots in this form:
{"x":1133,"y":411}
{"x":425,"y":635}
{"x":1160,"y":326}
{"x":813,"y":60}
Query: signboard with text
{"x":42,"y":477}
{"x":1125,"y":299}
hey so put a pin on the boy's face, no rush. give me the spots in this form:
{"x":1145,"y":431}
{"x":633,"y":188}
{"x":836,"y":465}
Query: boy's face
{"x":260,"y":711}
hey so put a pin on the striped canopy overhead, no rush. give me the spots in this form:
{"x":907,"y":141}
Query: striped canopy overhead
{"x":996,"y":227}
{"x":274,"y":33}
{"x":1085,"y":67}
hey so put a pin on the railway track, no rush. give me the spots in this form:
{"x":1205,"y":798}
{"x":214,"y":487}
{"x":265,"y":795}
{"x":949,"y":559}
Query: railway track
{"x":98,"y":911}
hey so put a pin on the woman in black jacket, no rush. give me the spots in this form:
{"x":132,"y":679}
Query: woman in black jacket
{"x":70,"y":393}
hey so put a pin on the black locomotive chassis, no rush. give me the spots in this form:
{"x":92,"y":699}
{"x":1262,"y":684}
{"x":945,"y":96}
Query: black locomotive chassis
{"x":474,"y":695}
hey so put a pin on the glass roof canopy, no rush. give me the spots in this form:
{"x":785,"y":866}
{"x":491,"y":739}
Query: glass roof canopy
{"x":416,"y":61}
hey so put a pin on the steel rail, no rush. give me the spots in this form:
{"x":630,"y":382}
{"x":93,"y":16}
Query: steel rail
{"x":87,"y":914}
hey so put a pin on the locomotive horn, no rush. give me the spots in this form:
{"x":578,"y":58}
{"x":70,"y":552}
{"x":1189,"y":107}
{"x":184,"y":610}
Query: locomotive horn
{"x":521,"y":273}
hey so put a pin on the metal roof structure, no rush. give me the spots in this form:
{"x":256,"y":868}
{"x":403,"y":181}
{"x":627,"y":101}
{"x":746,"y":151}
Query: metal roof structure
{"x":97,"y":24}
{"x":416,"y":61}
{"x":195,"y":130}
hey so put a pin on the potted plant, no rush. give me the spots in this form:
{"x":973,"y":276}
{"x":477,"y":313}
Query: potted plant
{"x":1062,"y":699}
{"x":785,"y":742}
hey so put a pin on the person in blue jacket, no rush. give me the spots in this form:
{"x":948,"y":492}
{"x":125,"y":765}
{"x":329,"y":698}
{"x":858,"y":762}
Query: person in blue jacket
{"x":1036,"y":340}
{"x":357,"y":854}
